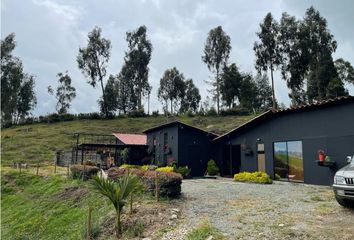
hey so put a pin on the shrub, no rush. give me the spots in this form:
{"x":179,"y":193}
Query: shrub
{"x":170,"y":182}
{"x":238,"y":111}
{"x":130,"y":166}
{"x":212,"y":168}
{"x":255,"y":177}
{"x":184,"y":171}
{"x":211,"y":112}
{"x":149,"y":167}
{"x":165,"y":169}
{"x":136,"y":113}
{"x":83,"y":171}
{"x":155,"y":113}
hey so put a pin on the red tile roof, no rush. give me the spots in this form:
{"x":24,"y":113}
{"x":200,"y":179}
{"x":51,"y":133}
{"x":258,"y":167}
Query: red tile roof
{"x":131,"y":139}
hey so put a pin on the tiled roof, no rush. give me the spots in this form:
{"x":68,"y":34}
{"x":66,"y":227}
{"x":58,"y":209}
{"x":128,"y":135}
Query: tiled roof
{"x":131,"y":139}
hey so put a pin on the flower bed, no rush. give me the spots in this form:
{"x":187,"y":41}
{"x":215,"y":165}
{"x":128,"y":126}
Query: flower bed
{"x":255,"y":177}
{"x":170,"y":182}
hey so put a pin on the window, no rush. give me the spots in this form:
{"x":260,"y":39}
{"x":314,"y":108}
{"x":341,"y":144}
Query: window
{"x":288,"y":160}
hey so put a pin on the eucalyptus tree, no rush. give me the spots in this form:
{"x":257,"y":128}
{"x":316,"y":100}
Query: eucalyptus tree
{"x":345,"y":70}
{"x":112,"y":95}
{"x":137,"y":59}
{"x":64,"y":93}
{"x":267,"y":49}
{"x":92,"y":61}
{"x":191,"y":97}
{"x":230,"y":84}
{"x":18,"y":98}
{"x":171,"y":88}
{"x":216,"y":54}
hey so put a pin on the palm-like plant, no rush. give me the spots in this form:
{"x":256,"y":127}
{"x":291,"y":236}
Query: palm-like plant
{"x":118,"y":192}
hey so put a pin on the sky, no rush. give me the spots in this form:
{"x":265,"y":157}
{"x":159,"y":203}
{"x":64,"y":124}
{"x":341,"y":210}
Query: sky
{"x":49,"y":34}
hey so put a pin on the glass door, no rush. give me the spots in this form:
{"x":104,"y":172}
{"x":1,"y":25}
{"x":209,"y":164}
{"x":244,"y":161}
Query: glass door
{"x":288,"y":160}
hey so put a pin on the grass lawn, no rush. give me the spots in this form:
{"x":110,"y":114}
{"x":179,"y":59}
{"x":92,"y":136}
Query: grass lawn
{"x":39,"y":142}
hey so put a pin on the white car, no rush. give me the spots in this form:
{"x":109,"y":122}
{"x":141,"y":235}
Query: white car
{"x":343,"y":186}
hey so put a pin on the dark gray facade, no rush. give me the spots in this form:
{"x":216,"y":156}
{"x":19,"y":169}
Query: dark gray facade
{"x":329,"y":127}
{"x":189,"y":146}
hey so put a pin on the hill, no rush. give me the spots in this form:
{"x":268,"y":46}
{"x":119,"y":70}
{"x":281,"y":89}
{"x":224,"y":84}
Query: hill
{"x":39,"y":142}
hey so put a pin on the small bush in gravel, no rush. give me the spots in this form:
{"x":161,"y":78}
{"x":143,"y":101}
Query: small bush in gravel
{"x":212,"y":168}
{"x":184,"y":171}
{"x":170,"y":182}
{"x":255,"y":177}
{"x":83,"y":171}
{"x":205,"y":231}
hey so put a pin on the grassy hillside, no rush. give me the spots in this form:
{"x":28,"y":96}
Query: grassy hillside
{"x":38,"y":142}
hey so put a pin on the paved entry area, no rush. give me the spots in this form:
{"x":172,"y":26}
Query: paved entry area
{"x":280,"y":210}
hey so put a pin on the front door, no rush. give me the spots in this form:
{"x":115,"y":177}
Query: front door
{"x":195,"y":160}
{"x":261,"y":157}
{"x":231,"y":160}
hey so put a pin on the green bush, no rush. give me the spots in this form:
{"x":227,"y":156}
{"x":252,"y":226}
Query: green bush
{"x":255,"y":177}
{"x":238,"y":111}
{"x":83,"y":171}
{"x":155,"y":113}
{"x":170,"y":182}
{"x":137,"y":113}
{"x":130,"y":166}
{"x":212,"y":168}
{"x":165,"y":169}
{"x":184,"y":171}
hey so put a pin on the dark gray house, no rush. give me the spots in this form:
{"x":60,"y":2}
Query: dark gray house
{"x":286,"y":142}
{"x":179,"y":142}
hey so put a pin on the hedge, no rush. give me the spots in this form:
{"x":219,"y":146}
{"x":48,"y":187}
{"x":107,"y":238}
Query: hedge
{"x":255,"y":177}
{"x":83,"y":171}
{"x":170,"y":182}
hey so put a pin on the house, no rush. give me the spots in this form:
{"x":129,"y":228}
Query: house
{"x":180,"y":143}
{"x":285,"y":143}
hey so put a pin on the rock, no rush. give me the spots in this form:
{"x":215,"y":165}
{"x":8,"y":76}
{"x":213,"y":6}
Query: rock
{"x":209,"y":238}
{"x":281,"y":225}
{"x":173,"y":216}
{"x":175,"y":210}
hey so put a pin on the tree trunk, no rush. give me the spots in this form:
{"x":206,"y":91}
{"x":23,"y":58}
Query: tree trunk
{"x":118,"y":224}
{"x":171,"y":106}
{"x":104,"y":98}
{"x":217,"y":90}
{"x":273,"y":93}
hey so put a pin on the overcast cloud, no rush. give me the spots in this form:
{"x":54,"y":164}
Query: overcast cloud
{"x":50,"y":32}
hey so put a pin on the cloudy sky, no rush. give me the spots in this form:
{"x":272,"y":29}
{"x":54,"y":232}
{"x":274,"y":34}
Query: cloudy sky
{"x":50,"y":32}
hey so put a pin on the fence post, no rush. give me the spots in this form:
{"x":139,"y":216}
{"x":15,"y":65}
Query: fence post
{"x":68,"y":168}
{"x":157,"y":190}
{"x":89,"y":224}
{"x":20,"y":165}
{"x":37,"y":168}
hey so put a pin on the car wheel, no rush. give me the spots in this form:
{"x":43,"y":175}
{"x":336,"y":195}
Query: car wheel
{"x":345,"y":203}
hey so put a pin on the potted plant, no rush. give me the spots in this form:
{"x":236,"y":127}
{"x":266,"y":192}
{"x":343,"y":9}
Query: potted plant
{"x":321,"y":155}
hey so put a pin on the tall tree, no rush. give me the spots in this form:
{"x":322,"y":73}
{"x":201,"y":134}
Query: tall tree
{"x":172,"y":87}
{"x":17,"y":88}
{"x":137,"y":59}
{"x":191,"y":99}
{"x":92,"y":60}
{"x":294,"y":57}
{"x":248,"y":92}
{"x":267,"y":52}
{"x":319,"y":45}
{"x":64,"y":94}
{"x":230,"y":84}
{"x":263,"y":100}
{"x":216,"y":54}
{"x":345,"y":70}
{"x":112,"y":95}
{"x":127,"y":99}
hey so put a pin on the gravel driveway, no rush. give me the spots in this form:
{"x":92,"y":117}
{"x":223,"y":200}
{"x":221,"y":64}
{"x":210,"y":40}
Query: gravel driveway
{"x":280,"y":210}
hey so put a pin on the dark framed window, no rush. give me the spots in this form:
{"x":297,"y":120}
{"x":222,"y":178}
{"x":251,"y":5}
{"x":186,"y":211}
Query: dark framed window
{"x":288,"y":160}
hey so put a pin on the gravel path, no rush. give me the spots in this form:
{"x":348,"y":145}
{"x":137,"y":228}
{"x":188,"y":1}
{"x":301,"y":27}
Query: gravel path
{"x":277,"y":211}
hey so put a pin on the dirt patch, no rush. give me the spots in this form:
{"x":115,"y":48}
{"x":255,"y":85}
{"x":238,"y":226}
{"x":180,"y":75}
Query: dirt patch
{"x":76,"y":194}
{"x":149,"y":219}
